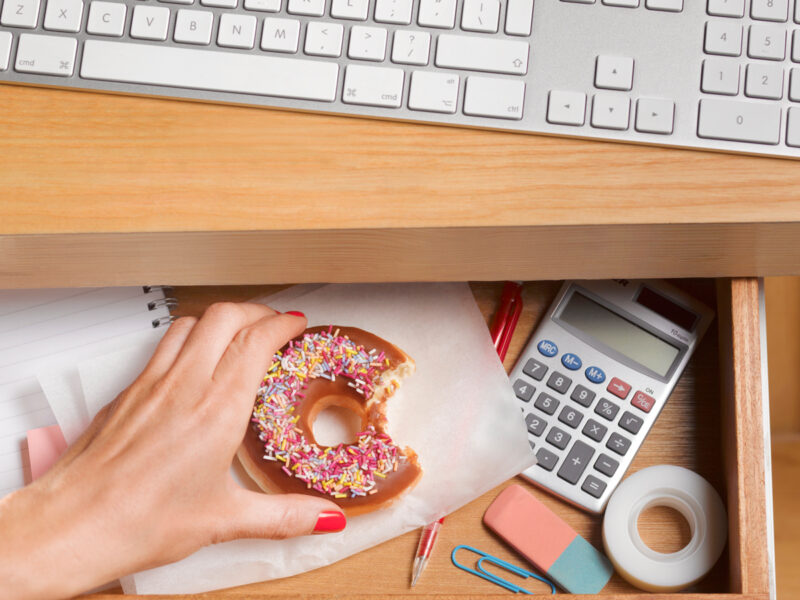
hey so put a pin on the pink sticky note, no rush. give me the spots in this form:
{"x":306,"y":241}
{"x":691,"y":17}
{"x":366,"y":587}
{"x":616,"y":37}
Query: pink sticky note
{"x":45,"y":446}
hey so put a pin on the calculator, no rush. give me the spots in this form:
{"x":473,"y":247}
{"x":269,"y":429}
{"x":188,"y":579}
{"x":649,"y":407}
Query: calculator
{"x":596,"y":374}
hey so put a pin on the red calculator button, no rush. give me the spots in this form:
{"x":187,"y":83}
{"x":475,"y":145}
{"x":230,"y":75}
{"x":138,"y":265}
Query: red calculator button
{"x":643,"y":402}
{"x":619,"y":388}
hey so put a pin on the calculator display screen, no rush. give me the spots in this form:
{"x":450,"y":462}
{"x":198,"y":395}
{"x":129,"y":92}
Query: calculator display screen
{"x":619,"y":334}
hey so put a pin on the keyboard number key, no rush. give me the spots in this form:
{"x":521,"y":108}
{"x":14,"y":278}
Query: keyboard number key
{"x":558,"y":438}
{"x":769,"y":10}
{"x":523,"y":390}
{"x":438,"y":92}
{"x":755,"y":122}
{"x":535,"y":424}
{"x":655,"y":115}
{"x":720,"y":76}
{"x":764,"y":81}
{"x":794,"y":88}
{"x":793,"y":130}
{"x":767,"y":41}
{"x":559,"y":382}
{"x":726,"y":8}
{"x":534,"y":369}
{"x":724,"y":38}
{"x":546,"y":403}
{"x":411,"y":47}
{"x":582,"y":395}
{"x":570,"y":417}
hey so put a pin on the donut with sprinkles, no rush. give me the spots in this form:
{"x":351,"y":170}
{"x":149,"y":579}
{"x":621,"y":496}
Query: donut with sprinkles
{"x":324,"y":367}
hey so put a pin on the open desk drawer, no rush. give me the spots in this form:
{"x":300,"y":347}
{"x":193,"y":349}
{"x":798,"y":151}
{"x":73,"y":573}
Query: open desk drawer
{"x":714,"y":424}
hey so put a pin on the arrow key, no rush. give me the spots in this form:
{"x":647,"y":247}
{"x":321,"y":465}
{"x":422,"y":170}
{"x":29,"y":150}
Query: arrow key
{"x":655,"y":115}
{"x":610,"y":111}
{"x":566,"y":108}
{"x":613,"y":73}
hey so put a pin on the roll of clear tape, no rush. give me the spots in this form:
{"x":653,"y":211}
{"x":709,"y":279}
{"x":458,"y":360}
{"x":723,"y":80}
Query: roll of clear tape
{"x":673,"y":487}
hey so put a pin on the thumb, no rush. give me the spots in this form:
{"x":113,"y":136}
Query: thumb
{"x":279,"y":516}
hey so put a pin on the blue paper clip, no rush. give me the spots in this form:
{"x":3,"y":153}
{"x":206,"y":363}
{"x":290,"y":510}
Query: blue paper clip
{"x":484,"y":574}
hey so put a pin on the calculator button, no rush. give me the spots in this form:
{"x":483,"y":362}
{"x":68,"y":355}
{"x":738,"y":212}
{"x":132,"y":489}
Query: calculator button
{"x":533,"y":445}
{"x":619,"y":388}
{"x":570,"y":416}
{"x":524,"y":390}
{"x":606,"y":465}
{"x":576,"y":462}
{"x":559,"y":382}
{"x":583,"y":396}
{"x":546,"y":403}
{"x":643,"y":402}
{"x":607,"y":410}
{"x":571,"y":361}
{"x":593,"y":486}
{"x":595,"y":375}
{"x":547,"y":348}
{"x":630,"y":422}
{"x":558,"y":438}
{"x":547,"y":460}
{"x":535,"y":424}
{"x":534,"y":369}
{"x":594,"y":430}
{"x":618,"y":444}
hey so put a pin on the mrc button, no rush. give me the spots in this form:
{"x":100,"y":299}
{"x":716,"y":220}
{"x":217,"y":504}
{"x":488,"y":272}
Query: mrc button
{"x":595,"y":375}
{"x":547,"y":348}
{"x":619,"y":388}
{"x":643,"y":402}
{"x":571,"y":361}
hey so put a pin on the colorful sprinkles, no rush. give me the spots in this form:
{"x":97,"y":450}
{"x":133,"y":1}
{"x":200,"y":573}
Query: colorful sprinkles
{"x":343,"y":471}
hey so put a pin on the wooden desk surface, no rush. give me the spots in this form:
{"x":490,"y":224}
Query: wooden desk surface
{"x":194,"y":193}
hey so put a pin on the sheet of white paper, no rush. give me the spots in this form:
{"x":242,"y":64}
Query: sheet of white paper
{"x":457,"y":411}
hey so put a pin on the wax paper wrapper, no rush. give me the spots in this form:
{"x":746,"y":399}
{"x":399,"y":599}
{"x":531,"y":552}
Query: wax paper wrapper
{"x":458,"y":412}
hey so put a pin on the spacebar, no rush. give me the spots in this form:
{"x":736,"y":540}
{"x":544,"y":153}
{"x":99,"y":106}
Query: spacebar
{"x":208,"y":70}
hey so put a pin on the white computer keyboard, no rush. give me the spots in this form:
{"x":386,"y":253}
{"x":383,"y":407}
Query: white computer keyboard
{"x":715,"y":74}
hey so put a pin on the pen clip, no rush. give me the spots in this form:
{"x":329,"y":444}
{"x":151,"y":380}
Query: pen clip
{"x":491,"y":577}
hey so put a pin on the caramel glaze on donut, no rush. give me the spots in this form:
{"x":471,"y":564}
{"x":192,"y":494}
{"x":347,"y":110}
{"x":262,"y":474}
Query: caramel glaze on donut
{"x":320,"y":394}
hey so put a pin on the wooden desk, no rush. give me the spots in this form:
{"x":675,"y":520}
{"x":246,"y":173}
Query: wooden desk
{"x":110,"y":190}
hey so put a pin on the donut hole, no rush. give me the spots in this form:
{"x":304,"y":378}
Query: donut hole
{"x":664,"y":529}
{"x":337,"y":420}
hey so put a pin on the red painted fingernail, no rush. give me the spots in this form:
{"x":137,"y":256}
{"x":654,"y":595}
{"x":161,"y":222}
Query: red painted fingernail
{"x":296,"y":313}
{"x":330,"y":521}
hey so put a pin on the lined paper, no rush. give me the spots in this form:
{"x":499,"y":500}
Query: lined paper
{"x":55,"y":328}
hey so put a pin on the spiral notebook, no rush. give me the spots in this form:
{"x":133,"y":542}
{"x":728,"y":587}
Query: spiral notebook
{"x":57,"y":327}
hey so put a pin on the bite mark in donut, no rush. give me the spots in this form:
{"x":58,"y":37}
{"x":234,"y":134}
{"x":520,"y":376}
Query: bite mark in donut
{"x":324,"y":367}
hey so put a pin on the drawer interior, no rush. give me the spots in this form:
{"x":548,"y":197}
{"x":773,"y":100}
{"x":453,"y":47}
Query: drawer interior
{"x":712,"y":424}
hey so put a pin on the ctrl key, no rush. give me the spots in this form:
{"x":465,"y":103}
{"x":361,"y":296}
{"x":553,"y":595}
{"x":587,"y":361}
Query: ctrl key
{"x":491,"y":97}
{"x":46,"y":54}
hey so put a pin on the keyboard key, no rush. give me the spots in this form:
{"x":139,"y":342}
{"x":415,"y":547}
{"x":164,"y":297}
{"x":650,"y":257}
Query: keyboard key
{"x":558,"y":438}
{"x":576,"y":462}
{"x":547,"y":348}
{"x":324,"y":39}
{"x":177,"y":1}
{"x":582,"y":395}
{"x":106,"y":18}
{"x":755,"y":122}
{"x":610,"y":111}
{"x":764,"y":81}
{"x":220,"y":3}
{"x":559,"y":382}
{"x":280,"y":35}
{"x":437,"y":92}
{"x":480,"y":15}
{"x":236,"y":31}
{"x":547,"y":460}
{"x":482,"y":54}
{"x":667,"y":5}
{"x":595,"y":374}
{"x":367,"y":43}
{"x":20,"y":13}
{"x":570,"y":417}
{"x":726,"y":8}
{"x":613,"y":73}
{"x":594,"y":430}
{"x":488,"y":97}
{"x":150,"y":22}
{"x":393,"y":11}
{"x":723,"y":37}
{"x":373,"y":86}
{"x":793,"y":129}
{"x":630,"y":422}
{"x":205,"y":69}
{"x":356,"y":10}
{"x":437,"y":13}
{"x":571,"y":361}
{"x":618,"y":444}
{"x":532,"y":444}
{"x":535,"y":424}
{"x":5,"y":49}
{"x":767,"y":41}
{"x":769,"y":10}
{"x":64,"y":15}
{"x":263,"y":5}
{"x":643,"y":401}
{"x":310,"y":8}
{"x":794,"y":88}
{"x":720,"y":76}
{"x":606,"y":465}
{"x":619,"y":388}
{"x":546,"y":403}
{"x":606,"y":409}
{"x":46,"y":54}
{"x":193,"y":26}
{"x":626,"y":3}
{"x":566,"y":108}
{"x":411,"y":47}
{"x":523,"y":390}
{"x":534,"y":369}
{"x":593,"y":486}
{"x":655,"y":115}
{"x":519,"y":16}
{"x":796,"y":45}
{"x":797,"y":12}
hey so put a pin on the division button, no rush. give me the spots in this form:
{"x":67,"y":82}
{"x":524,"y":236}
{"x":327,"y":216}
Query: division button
{"x":618,"y":444}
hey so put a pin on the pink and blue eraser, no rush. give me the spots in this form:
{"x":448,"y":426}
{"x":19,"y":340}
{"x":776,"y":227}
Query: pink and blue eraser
{"x":548,"y":542}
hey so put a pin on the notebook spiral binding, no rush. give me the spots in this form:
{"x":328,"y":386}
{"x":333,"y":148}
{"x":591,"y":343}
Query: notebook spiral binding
{"x":167,"y":302}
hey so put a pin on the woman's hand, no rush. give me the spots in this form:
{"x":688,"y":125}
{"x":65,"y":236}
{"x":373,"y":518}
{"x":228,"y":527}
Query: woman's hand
{"x":149,"y":482}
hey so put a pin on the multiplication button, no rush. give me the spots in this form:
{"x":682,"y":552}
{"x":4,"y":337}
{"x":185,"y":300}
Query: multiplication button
{"x":524,"y":390}
{"x":594,"y":430}
{"x":534,"y":369}
{"x":618,"y":444}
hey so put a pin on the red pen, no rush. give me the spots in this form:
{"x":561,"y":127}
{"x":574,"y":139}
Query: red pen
{"x":503,"y":325}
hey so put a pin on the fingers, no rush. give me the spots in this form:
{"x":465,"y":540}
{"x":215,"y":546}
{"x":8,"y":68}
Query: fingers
{"x":278,"y":516}
{"x":169,"y":348}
